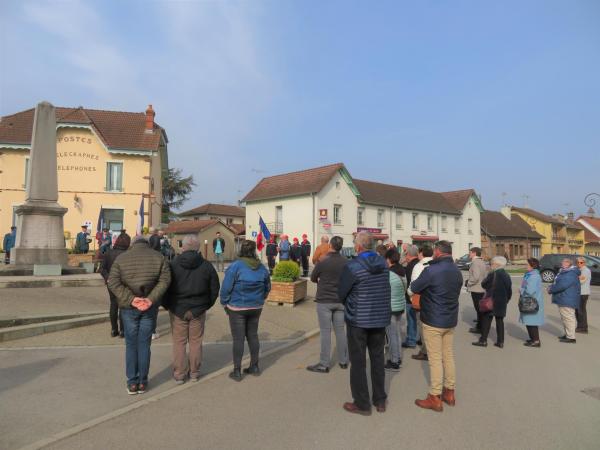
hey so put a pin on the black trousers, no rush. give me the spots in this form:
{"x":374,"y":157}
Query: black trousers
{"x":359,"y":340}
{"x":116,"y":322}
{"x":476,"y":296}
{"x":582,"y":313}
{"x":486,"y":324}
{"x":534,"y":332}
{"x":304,"y":266}
{"x":244,"y":326}
{"x":271,"y":262}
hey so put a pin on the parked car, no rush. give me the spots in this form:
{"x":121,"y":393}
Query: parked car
{"x":464,"y":262}
{"x":550,"y":265}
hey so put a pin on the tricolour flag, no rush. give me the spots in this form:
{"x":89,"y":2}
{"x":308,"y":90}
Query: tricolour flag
{"x":100,"y":225}
{"x":140,"y":223}
{"x":263,"y":228}
{"x":260,"y":243}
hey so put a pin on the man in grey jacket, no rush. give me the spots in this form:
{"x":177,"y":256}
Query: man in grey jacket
{"x":477,"y":272}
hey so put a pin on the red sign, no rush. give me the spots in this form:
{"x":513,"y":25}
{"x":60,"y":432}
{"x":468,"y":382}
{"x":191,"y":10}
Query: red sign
{"x":370,"y":230}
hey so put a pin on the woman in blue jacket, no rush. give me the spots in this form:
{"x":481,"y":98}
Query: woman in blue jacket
{"x":532,"y":287}
{"x":566,"y":293}
{"x":243,"y":293}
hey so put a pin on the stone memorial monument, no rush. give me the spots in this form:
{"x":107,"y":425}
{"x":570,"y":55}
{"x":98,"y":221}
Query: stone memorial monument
{"x":40,"y":233}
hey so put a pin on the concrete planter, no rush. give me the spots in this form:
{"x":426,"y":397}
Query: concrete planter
{"x":287,"y":293}
{"x":75,"y":259}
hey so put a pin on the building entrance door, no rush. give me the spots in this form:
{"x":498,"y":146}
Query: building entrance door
{"x":113,"y":218}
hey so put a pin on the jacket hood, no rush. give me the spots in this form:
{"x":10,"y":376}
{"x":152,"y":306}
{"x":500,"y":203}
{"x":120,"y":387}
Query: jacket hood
{"x":442,"y":259}
{"x":571,"y":269}
{"x":189,"y":260}
{"x":398,"y":270}
{"x":253,"y":263}
{"x":372,"y":262}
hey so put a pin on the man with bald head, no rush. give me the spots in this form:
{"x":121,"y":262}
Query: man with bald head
{"x":322,"y":250}
{"x":364,"y":289}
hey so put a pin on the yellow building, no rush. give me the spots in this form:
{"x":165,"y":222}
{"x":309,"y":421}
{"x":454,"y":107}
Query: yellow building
{"x":560,"y":234}
{"x":107,"y":160}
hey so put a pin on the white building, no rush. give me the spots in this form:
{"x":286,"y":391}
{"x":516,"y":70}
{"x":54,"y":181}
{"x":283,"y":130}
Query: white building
{"x":328,"y":201}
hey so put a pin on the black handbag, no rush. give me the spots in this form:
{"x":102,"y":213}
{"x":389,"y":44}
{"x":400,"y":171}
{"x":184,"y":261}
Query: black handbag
{"x":528,"y":305}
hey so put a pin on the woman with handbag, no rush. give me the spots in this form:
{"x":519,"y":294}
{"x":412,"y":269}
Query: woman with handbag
{"x":498,"y":291}
{"x":532,"y":296}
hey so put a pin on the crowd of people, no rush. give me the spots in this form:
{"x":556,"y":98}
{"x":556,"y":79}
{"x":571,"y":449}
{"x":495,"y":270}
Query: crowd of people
{"x":298,"y":252}
{"x":362,"y":300}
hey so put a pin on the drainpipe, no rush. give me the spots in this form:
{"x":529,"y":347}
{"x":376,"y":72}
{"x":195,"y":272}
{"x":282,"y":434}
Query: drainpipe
{"x":314,"y":226}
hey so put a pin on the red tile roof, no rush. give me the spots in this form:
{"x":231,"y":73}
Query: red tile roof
{"x":459,"y":199}
{"x":116,"y":129}
{"x":308,"y":181}
{"x":189,"y":226}
{"x":217,"y":210}
{"x":239,"y":228}
{"x":538,"y":215}
{"x":594,"y":222}
{"x":403,"y":197}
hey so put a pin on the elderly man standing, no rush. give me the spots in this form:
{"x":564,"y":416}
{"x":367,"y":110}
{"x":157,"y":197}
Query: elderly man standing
{"x":321,"y":250}
{"x":477,"y":273}
{"x":154,"y":239}
{"x":566,"y":294}
{"x":139,"y":278}
{"x":439,"y":287}
{"x":193,"y":291}
{"x":364,"y":288}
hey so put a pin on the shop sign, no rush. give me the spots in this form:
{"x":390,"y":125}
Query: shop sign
{"x":322,"y":214}
{"x":370,"y":230}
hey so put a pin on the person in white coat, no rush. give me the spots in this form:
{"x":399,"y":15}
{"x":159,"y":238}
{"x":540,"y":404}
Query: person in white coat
{"x":425,"y":256}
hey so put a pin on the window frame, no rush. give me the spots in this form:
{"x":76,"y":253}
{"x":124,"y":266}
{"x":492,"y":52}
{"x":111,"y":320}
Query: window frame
{"x":380,"y":215}
{"x":108,"y":164}
{"x":360,"y":216}
{"x":337,"y":214}
{"x":415,"y":221}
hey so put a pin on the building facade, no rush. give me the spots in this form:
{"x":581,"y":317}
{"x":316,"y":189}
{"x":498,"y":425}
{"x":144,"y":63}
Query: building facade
{"x":107,"y":160}
{"x":510,"y":236}
{"x":328,"y":201}
{"x":228,"y":214}
{"x":591,"y":234}
{"x":560,"y":234}
{"x":206,"y":230}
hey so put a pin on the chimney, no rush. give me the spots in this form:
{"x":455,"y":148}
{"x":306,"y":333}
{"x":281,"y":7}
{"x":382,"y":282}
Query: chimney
{"x":571,"y":216}
{"x":150,"y":119}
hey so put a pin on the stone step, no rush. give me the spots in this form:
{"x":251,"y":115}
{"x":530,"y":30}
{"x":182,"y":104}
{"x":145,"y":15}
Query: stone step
{"x":25,"y":331}
{"x":83,"y":280}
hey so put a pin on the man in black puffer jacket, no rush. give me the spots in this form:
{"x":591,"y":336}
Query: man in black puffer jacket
{"x":193,"y":291}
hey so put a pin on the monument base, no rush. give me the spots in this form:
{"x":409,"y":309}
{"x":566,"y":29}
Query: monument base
{"x":40,"y":236}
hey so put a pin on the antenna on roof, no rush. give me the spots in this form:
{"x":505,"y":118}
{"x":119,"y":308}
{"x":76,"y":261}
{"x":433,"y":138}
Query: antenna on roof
{"x":525,"y":199}
{"x":504,"y":194}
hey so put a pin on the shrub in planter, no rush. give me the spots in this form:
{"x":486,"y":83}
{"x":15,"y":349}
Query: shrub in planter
{"x":286,"y":272}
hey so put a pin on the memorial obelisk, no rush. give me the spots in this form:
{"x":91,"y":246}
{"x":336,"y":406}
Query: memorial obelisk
{"x":40,"y":232}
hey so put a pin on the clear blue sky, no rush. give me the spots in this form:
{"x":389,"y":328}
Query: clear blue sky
{"x":441,"y":95}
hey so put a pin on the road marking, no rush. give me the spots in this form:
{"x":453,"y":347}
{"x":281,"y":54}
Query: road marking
{"x":147,"y":400}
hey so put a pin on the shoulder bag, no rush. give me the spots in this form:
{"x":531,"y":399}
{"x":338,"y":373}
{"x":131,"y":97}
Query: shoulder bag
{"x":486,"y":304}
{"x":528,"y":304}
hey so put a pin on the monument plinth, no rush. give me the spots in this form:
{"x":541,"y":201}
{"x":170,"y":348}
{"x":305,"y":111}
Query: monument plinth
{"x":40,"y":231}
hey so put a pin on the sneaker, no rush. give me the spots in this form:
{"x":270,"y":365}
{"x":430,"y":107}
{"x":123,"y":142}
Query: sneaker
{"x":142,"y":388}
{"x":132,"y":389}
{"x":392,"y":366}
{"x":567,"y":340}
{"x":195,"y":379}
{"x":319,"y":368}
{"x":343,"y":365}
{"x":155,"y":335}
{"x":179,"y":382}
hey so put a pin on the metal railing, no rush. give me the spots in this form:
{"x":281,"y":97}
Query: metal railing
{"x":275,"y":227}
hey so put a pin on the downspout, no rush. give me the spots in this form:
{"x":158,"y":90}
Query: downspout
{"x":314,"y":228}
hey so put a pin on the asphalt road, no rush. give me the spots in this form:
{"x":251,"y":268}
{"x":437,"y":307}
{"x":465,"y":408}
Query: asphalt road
{"x":514,"y":398}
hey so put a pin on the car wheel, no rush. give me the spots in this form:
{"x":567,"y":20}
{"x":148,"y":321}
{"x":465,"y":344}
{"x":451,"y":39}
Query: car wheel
{"x":548,"y":276}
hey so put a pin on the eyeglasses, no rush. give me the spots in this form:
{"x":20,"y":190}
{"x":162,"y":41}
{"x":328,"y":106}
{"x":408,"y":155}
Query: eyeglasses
{"x":580,"y":262}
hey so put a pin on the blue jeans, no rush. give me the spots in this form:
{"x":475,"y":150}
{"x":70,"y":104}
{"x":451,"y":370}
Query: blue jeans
{"x":138,"y":336}
{"x":411,"y":326}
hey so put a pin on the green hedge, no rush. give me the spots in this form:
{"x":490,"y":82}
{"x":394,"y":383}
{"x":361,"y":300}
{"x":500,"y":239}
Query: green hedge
{"x":286,"y":271}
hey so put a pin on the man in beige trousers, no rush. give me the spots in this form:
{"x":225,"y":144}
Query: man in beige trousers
{"x":194,"y":289}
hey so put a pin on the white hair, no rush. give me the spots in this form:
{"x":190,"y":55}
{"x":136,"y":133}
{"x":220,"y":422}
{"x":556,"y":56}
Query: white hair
{"x":324,"y":239}
{"x":365,"y":240}
{"x":499,"y":261}
{"x":190,"y":242}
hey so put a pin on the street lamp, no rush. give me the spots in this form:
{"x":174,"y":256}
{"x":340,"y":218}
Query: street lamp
{"x":590,"y":200}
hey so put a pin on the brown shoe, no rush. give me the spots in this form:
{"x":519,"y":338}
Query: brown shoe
{"x":420,"y":356}
{"x":380,"y":408}
{"x":352,"y":408}
{"x":433,"y":402}
{"x":448,"y":397}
